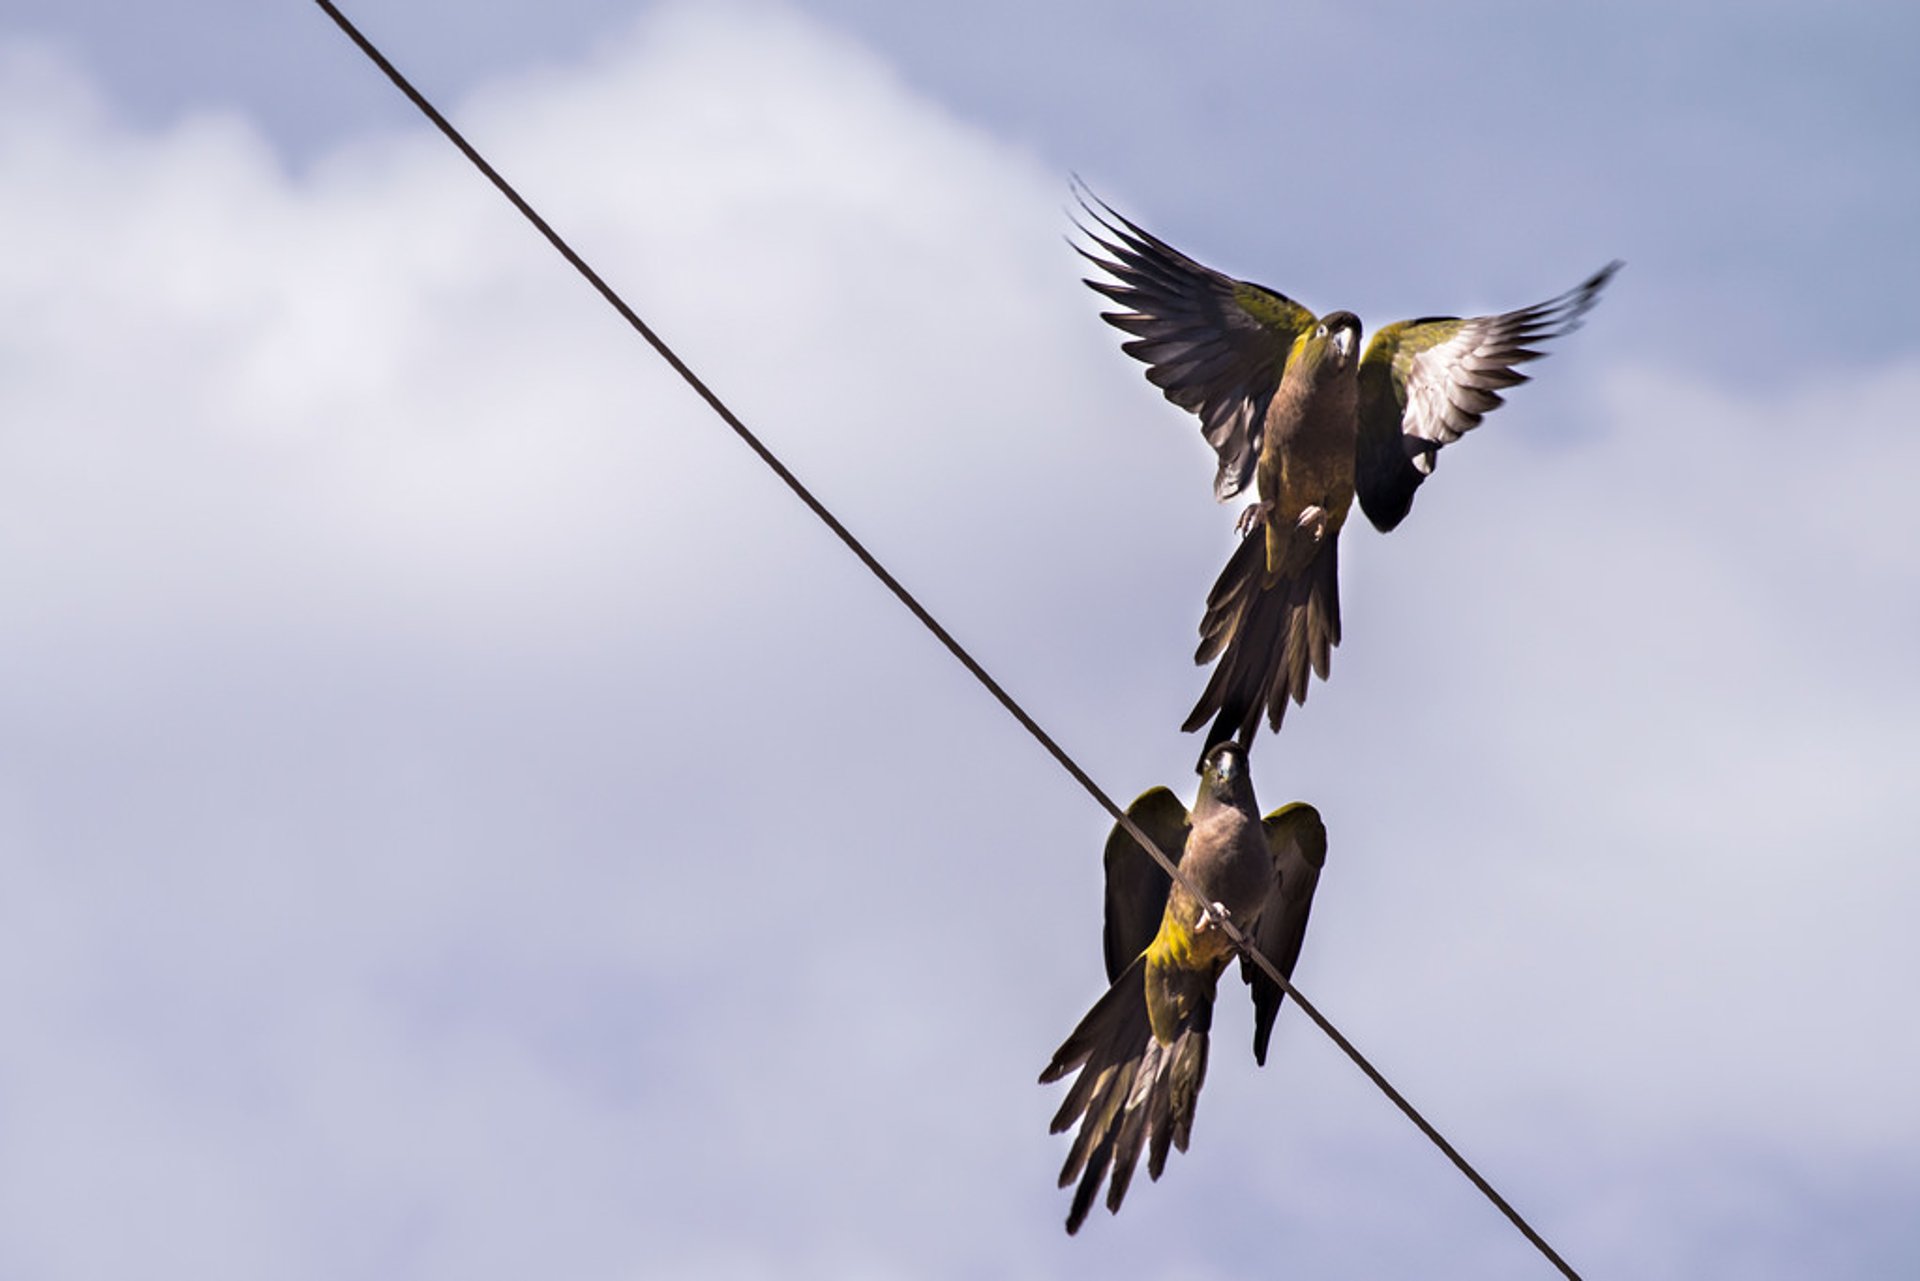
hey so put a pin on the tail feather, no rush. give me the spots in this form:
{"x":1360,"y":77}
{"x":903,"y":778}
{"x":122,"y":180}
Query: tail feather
{"x":1269,"y":639}
{"x":1238,"y":581}
{"x":1186,"y":1069}
{"x":1132,"y":1090}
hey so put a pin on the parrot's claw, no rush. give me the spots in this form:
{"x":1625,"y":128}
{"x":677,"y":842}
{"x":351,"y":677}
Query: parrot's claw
{"x":1211,"y":915}
{"x":1252,"y":517}
{"x":1313,"y":522}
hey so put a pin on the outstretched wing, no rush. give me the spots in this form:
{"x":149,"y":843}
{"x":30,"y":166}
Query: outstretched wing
{"x":1425,"y":383}
{"x":1297,"y":840}
{"x":1216,"y":346}
{"x":1137,"y":886}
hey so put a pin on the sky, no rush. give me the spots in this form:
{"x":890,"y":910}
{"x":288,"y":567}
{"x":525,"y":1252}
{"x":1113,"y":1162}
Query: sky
{"x":460,"y":817}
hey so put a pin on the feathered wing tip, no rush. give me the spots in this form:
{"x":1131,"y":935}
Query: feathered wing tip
{"x":1269,"y":641}
{"x":1509,"y":338}
{"x":1136,"y":252}
{"x":1132,"y":1091}
{"x":1562,"y":315}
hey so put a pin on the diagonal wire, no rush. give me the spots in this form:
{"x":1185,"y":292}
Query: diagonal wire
{"x":919,"y":611}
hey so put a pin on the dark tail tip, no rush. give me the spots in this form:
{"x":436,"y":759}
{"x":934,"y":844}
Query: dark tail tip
{"x":1225,"y":726}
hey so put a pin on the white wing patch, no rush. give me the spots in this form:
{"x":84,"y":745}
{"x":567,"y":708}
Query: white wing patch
{"x":1432,"y":414}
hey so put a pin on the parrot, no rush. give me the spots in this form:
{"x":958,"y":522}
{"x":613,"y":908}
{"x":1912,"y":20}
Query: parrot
{"x":1141,"y":1050}
{"x":1288,"y":399}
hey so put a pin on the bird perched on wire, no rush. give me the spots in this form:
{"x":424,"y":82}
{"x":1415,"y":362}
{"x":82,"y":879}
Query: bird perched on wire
{"x":1141,"y":1051}
{"x":1287,"y":398}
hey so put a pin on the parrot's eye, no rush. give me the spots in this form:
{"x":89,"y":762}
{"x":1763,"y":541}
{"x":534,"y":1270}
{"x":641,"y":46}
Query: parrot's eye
{"x":1321,"y":332}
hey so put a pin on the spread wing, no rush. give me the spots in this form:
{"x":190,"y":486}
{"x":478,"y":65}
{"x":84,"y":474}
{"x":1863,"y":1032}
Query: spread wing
{"x":1297,"y":839}
{"x":1216,"y":346}
{"x":1137,"y":888}
{"x":1425,"y":383}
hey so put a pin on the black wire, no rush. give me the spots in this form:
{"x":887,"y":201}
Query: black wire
{"x":932,"y":624}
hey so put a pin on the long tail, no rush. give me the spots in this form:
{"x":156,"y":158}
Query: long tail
{"x":1132,"y":1090}
{"x":1268,"y":637}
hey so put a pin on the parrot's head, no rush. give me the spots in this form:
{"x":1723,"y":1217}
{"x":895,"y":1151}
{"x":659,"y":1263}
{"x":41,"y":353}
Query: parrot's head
{"x":1224,"y":778}
{"x":1341,"y":332}
{"x":1327,"y":350}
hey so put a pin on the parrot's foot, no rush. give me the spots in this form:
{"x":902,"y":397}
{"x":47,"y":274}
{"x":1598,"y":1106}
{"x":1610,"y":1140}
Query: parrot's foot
{"x":1312,"y":522}
{"x":1252,"y":516}
{"x":1211,"y":915}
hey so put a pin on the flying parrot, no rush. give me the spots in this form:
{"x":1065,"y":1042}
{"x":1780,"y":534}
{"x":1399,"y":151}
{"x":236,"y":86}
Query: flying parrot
{"x":1287,"y":397}
{"x":1141,"y":1051}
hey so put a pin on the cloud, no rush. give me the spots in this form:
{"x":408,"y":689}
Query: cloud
{"x":462,"y":819}
{"x":434,"y":746}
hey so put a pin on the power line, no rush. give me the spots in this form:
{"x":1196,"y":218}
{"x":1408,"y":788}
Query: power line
{"x":940,"y":633}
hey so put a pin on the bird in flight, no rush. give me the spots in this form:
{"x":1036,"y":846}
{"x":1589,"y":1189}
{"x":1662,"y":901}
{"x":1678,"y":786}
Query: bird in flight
{"x":1287,"y":398}
{"x":1141,"y":1051}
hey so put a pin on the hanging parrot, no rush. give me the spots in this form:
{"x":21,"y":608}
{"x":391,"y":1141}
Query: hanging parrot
{"x":1141,"y":1051}
{"x":1287,"y":398}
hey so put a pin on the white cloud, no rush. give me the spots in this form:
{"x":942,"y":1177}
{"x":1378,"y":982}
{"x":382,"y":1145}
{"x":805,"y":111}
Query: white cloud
{"x":461,"y":819}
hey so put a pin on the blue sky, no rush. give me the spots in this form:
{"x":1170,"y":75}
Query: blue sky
{"x":461,"y":818}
